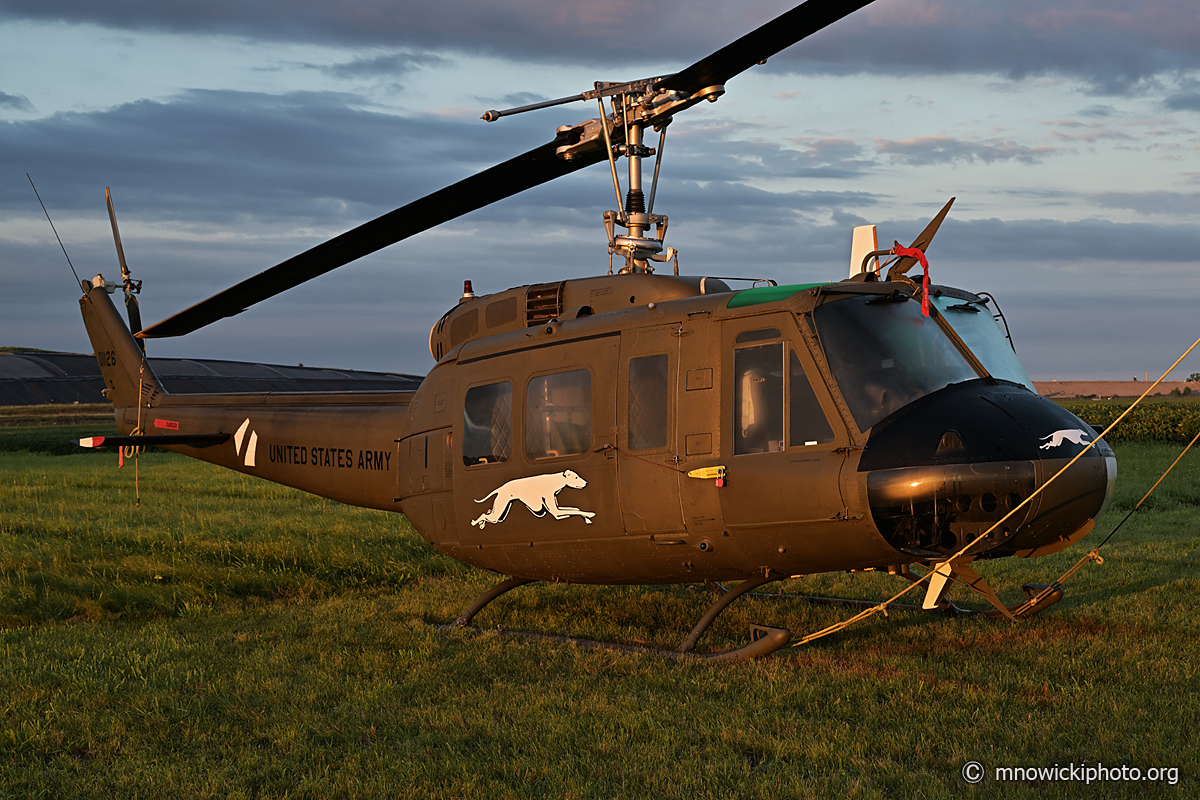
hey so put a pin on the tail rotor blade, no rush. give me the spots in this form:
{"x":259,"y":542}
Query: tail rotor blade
{"x":131,"y":303}
{"x":135,"y":317}
{"x":112,"y":218}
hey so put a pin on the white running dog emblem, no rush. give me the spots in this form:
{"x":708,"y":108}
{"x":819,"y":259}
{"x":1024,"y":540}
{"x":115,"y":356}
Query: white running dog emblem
{"x":1068,"y":434}
{"x":539,"y":493}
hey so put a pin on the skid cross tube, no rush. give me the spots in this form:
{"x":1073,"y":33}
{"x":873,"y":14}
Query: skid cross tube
{"x":763,"y":640}
{"x":491,"y":594}
{"x":720,"y":605}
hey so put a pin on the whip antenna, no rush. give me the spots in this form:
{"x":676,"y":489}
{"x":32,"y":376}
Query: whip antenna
{"x":78,"y":282}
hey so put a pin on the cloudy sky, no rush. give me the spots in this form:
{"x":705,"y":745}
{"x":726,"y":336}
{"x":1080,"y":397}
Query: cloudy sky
{"x":237,"y":134}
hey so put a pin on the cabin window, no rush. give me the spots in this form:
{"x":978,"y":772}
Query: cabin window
{"x":758,"y":399}
{"x":884,"y":354}
{"x":487,"y":424}
{"x":558,"y":414}
{"x":807,"y":423}
{"x":648,"y":402}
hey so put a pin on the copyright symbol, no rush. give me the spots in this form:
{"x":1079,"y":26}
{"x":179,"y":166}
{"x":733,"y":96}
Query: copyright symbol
{"x":972,"y":772}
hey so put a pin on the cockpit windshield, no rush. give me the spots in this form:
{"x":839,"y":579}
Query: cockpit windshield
{"x":975,"y":326}
{"x":884,"y":354}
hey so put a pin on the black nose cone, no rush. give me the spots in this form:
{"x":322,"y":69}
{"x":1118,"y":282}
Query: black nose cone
{"x":944,"y":469}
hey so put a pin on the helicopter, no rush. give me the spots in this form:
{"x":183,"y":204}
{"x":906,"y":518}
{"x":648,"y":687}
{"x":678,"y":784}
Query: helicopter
{"x":645,"y":428}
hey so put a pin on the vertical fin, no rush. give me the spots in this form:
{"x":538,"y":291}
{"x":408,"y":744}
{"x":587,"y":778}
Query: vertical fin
{"x":121,"y":360}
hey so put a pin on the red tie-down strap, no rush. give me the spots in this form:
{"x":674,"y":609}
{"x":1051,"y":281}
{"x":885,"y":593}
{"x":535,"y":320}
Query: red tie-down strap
{"x":919,"y":255}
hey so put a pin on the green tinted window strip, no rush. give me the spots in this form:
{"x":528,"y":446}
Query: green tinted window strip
{"x":768,"y":294}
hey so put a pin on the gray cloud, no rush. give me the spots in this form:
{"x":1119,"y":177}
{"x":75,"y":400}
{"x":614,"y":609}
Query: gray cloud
{"x":309,"y":159}
{"x":16,"y":102}
{"x":388,"y":65}
{"x":1184,"y":101}
{"x":741,"y":160}
{"x":1068,"y":243}
{"x":1113,"y":46}
{"x":1094,"y":134}
{"x":215,"y":156}
{"x":1157,"y":202}
{"x":925,"y":150}
{"x":514,"y":100}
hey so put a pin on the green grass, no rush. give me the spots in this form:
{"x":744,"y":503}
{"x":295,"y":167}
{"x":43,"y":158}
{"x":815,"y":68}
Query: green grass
{"x":232,"y":638}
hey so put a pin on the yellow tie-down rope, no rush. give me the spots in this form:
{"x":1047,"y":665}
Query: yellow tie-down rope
{"x":1093,"y":555}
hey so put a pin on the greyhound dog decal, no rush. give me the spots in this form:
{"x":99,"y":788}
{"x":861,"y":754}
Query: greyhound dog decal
{"x":539,"y":493}
{"x":1067,"y":434}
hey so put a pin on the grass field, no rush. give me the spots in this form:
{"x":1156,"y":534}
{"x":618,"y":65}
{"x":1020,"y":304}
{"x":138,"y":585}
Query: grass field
{"x":232,"y":638}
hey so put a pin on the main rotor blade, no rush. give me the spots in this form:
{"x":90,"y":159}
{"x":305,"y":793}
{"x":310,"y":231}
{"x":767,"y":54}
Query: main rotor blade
{"x":516,"y":175}
{"x":921,"y":242}
{"x":760,"y":44}
{"x":538,"y":166}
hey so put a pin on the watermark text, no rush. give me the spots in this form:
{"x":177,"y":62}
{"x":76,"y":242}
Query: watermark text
{"x":974,"y":772}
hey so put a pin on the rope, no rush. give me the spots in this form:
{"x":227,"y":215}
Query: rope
{"x":1094,"y":555}
{"x":883,"y":606}
{"x":137,"y":489}
{"x":1152,"y":488}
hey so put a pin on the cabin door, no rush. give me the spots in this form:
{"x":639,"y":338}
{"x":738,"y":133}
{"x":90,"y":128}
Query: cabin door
{"x":648,"y":453}
{"x":785,"y":450}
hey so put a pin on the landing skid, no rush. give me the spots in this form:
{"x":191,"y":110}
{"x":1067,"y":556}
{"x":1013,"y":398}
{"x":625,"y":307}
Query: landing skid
{"x":764,"y":640}
{"x":1039,"y":597}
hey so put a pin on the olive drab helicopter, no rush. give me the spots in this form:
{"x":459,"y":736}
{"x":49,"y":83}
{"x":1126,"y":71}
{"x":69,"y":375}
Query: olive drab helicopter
{"x":640,"y":427}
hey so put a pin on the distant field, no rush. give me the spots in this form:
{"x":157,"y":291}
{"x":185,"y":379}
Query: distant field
{"x":232,"y":638}
{"x":50,"y":429}
{"x":1156,"y":419}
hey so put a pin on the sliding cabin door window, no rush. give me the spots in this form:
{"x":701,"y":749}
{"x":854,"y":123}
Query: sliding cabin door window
{"x":558,"y":414}
{"x":487,"y":424}
{"x":758,"y":398}
{"x":765,"y":386}
{"x":648,"y":402}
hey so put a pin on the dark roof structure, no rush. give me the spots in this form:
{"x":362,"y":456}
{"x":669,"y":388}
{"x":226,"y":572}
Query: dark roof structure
{"x":34,"y":377}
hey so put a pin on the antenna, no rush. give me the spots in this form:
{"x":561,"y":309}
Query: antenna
{"x":78,"y":283}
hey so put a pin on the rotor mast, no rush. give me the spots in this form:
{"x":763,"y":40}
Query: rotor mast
{"x":637,"y":248}
{"x":635,"y":106}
